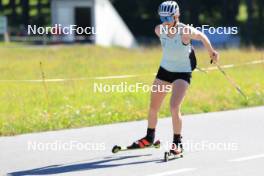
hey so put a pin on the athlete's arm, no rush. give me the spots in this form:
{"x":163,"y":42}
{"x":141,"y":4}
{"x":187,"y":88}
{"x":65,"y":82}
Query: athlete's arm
{"x":157,"y":30}
{"x":195,"y":34}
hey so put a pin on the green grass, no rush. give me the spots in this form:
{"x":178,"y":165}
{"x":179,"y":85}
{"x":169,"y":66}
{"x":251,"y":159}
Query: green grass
{"x":25,"y":108}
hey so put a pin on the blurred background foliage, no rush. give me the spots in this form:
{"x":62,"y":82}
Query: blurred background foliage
{"x":141,"y":16}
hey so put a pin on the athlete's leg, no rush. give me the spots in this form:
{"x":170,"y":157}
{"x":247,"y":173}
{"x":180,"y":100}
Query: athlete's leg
{"x":157,"y":98}
{"x":178,"y":93}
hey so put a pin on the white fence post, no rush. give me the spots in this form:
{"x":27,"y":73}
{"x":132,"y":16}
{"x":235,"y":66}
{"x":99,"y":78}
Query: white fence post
{"x":3,"y":28}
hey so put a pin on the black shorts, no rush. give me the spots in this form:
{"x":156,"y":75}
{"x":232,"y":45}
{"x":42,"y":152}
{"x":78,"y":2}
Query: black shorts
{"x":170,"y":77}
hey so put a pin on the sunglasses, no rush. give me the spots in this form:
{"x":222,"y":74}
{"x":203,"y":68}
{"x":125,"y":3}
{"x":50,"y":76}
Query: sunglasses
{"x":168,"y":19}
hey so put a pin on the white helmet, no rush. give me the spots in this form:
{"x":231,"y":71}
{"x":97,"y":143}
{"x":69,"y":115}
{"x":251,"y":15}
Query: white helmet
{"x":169,"y":8}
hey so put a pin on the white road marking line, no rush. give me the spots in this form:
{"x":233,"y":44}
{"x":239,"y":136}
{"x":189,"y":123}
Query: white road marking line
{"x":229,"y":66}
{"x":125,"y":76}
{"x":116,"y":77}
{"x":232,"y":65}
{"x":247,"y":158}
{"x":210,"y":68}
{"x":79,"y":79}
{"x":256,"y":62}
{"x":74,"y":79}
{"x":174,"y":172}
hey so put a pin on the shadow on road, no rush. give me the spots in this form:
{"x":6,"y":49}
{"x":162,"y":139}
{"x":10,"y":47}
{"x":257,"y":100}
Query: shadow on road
{"x":101,"y":164}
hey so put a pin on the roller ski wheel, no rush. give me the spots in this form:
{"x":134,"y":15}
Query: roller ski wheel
{"x":172,"y":155}
{"x":166,"y":156}
{"x":157,"y":144}
{"x":117,"y":148}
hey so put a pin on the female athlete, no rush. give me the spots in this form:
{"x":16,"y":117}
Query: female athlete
{"x":175,"y":69}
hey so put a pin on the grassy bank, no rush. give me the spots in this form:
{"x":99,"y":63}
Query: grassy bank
{"x":25,"y":107}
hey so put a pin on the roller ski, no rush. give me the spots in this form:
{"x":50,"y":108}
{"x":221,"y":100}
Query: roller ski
{"x":146,"y":142}
{"x":174,"y":153}
{"x":140,"y":144}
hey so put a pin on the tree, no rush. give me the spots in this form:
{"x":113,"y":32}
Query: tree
{"x":1,"y":6}
{"x":260,"y":4}
{"x":249,"y":26}
{"x":12,"y":6}
{"x":39,"y":14}
{"x":230,"y":11}
{"x":25,"y":12}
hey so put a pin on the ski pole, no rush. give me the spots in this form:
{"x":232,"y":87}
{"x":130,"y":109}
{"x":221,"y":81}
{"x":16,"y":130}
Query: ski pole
{"x":231,"y":81}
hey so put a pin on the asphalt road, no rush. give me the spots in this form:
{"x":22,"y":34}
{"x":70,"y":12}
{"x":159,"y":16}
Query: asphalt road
{"x":227,"y":143}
